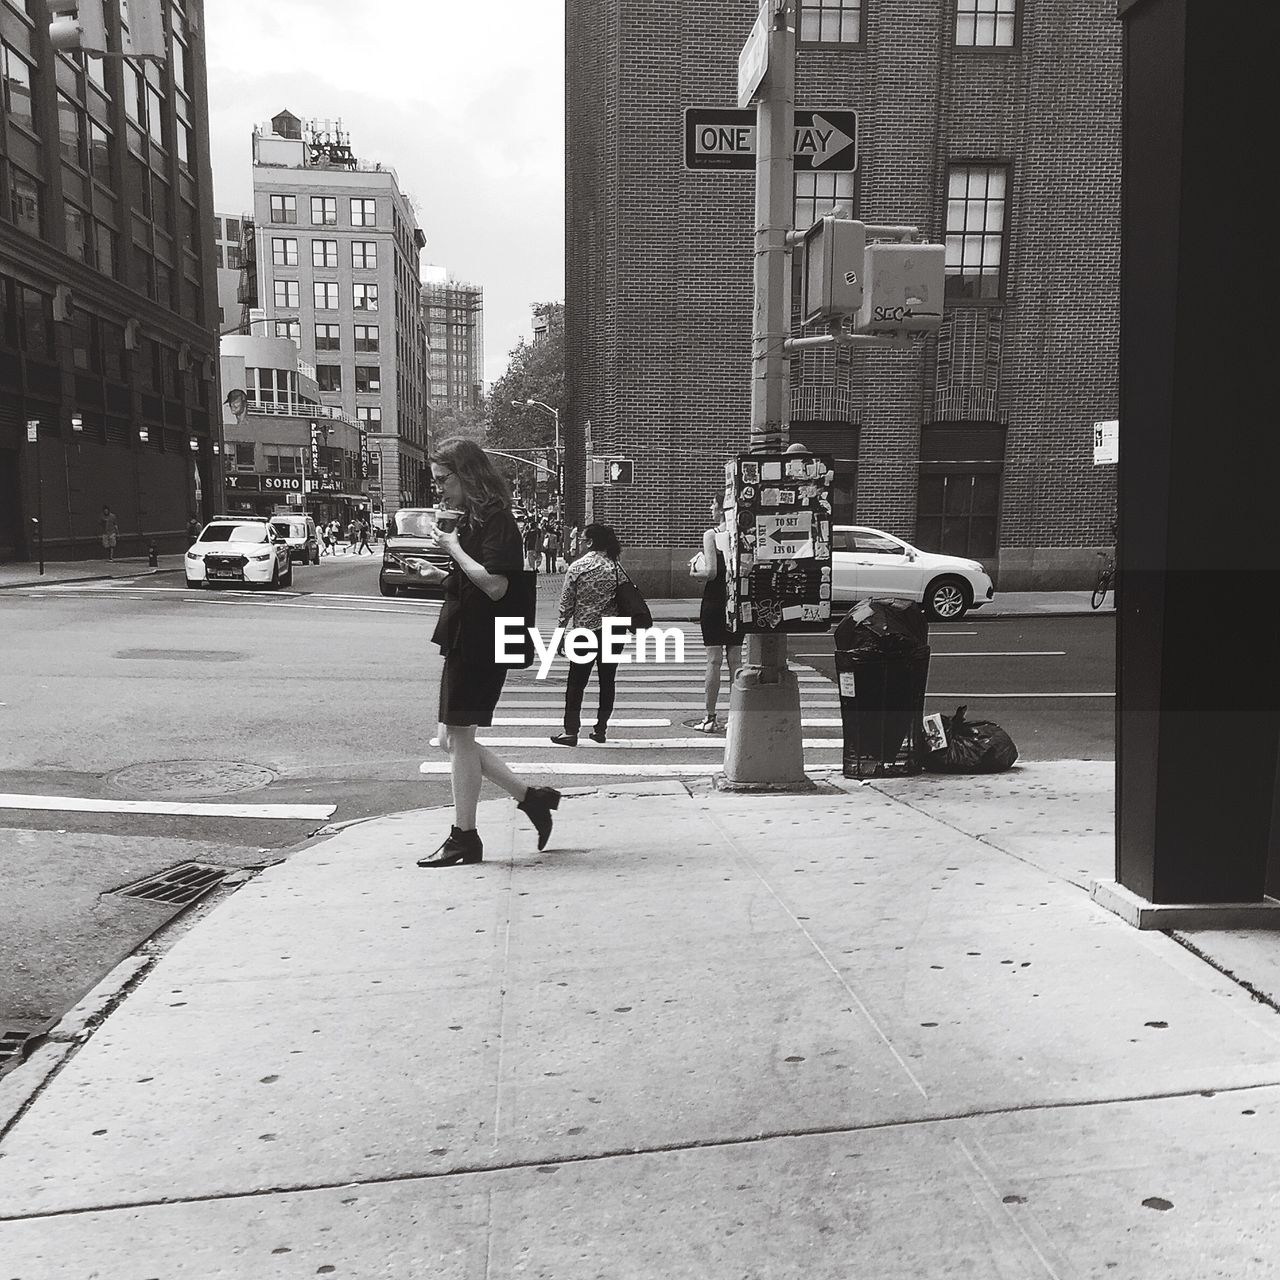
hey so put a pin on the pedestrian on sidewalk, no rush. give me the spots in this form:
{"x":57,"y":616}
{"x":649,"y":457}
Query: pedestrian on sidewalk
{"x":550,"y":548}
{"x":532,"y":545}
{"x":326,"y":540}
{"x":193,"y":530}
{"x":709,"y":566}
{"x":487,"y":554}
{"x":590,"y":586}
{"x":573,"y":544}
{"x":364,"y":536}
{"x":353,"y":534}
{"x":110,"y":531}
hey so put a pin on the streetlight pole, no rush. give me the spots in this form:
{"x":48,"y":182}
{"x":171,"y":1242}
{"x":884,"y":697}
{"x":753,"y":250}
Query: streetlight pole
{"x":555,"y":413}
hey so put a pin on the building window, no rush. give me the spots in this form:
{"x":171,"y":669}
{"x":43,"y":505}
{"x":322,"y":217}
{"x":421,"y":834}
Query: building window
{"x":73,"y":132}
{"x":105,"y":240}
{"x":329,"y":377}
{"x":368,"y":377}
{"x":324,"y":211}
{"x":366,"y":337}
{"x":364,"y":213}
{"x":287,"y":293}
{"x":365,"y":297}
{"x":19,"y":88}
{"x":282,"y":460}
{"x":79,"y":245}
{"x":830,"y":22}
{"x":818,"y":193}
{"x":284,"y":209}
{"x":364,"y":255}
{"x":326,"y":295}
{"x":242,"y":458}
{"x":324,"y":253}
{"x":985,"y":24}
{"x":284,"y":252}
{"x":328,"y":337}
{"x":369,"y":413}
{"x":975,"y":231}
{"x":289,"y":329}
{"x":233,"y":258}
{"x":25,"y":201}
{"x":958,"y":510}
{"x":100,"y":154}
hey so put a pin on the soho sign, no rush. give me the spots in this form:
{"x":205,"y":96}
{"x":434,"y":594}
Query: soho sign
{"x":260,"y":484}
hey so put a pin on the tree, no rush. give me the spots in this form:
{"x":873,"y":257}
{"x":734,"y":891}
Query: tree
{"x":470,"y":424}
{"x":535,"y":372}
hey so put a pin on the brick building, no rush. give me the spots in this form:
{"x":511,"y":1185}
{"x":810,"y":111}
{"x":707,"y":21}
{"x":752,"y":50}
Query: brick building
{"x":108,"y":298}
{"x":993,"y":126}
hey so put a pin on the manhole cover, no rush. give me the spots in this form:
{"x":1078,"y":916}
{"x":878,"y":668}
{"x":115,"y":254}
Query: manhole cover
{"x":180,"y":885}
{"x":190,"y":778}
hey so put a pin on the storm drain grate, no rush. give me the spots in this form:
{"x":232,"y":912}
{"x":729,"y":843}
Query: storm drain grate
{"x":11,"y":1046}
{"x":180,"y":885}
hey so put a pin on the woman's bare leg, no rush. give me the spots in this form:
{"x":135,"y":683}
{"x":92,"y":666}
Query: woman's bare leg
{"x":495,"y":770}
{"x":715,"y":656}
{"x":466,"y":771}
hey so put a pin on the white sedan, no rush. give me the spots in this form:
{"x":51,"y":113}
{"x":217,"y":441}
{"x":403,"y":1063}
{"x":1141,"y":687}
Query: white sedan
{"x":238,"y":551}
{"x":869,"y":564}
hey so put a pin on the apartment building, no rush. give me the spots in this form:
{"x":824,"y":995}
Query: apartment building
{"x":991,"y":125}
{"x":108,"y":298}
{"x":337,"y":270}
{"x":453,"y":328}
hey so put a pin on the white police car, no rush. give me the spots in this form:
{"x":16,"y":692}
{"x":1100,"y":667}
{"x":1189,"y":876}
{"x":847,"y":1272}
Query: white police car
{"x":238,"y":550}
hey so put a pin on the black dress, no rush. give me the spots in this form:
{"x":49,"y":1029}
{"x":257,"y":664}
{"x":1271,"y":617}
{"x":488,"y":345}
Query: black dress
{"x":711,"y":615}
{"x":472,"y":679}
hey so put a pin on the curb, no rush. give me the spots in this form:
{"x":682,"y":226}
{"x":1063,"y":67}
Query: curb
{"x":93,"y":577}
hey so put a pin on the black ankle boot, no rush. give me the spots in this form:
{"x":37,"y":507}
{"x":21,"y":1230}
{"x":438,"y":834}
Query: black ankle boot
{"x":537,"y":805}
{"x":459,"y":846}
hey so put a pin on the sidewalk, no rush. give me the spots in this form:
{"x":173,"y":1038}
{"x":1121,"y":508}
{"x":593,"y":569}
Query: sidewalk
{"x":20,"y":573}
{"x":874,"y":1031}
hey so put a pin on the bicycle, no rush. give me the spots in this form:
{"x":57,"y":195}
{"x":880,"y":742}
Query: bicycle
{"x":1106,"y":580}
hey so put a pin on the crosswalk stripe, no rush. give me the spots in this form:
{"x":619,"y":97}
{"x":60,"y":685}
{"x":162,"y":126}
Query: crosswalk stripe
{"x":640,"y":744}
{"x":632,"y":704}
{"x":706,"y":770}
{"x":556,"y":721}
{"x":80,"y":804}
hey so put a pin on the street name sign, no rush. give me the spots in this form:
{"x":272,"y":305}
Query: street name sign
{"x":725,"y":138}
{"x":753,"y":61}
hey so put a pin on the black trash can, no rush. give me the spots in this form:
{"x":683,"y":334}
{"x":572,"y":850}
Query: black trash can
{"x":882,"y":668}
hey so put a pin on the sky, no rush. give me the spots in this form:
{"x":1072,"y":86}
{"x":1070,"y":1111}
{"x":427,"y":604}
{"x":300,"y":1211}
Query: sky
{"x":464,"y":100}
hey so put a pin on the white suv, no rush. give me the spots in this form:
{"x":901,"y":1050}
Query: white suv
{"x":240,"y":550}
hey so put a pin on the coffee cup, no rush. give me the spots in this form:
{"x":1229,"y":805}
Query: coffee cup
{"x":447,"y":519}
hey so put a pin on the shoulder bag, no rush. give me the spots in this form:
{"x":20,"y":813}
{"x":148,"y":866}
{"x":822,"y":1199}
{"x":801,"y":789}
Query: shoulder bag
{"x":629,"y":603}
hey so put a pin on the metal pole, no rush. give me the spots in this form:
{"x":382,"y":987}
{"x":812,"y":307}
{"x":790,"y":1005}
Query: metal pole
{"x":764,"y":746}
{"x":39,"y":504}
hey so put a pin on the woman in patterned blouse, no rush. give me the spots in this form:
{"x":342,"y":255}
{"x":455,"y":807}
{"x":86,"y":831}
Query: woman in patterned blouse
{"x":590,"y":586}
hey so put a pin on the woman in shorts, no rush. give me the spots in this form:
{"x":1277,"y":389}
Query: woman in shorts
{"x":487,"y":553}
{"x":720,"y":643}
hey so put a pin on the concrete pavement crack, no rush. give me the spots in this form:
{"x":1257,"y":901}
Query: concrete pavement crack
{"x":628,"y":1153}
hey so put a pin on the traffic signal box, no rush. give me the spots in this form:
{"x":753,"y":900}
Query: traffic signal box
{"x":778,"y":512}
{"x":893,"y":287}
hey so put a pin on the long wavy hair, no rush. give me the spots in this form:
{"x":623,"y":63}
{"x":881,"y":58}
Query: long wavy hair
{"x":484,"y":490}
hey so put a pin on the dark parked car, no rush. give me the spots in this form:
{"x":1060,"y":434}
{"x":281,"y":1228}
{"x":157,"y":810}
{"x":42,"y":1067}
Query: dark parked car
{"x":408,"y":540}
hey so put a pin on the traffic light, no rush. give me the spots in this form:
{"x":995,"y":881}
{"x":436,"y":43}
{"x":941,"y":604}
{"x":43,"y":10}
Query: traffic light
{"x":904,"y":283}
{"x":834,"y":249}
{"x":620,"y":470}
{"x":78,"y":24}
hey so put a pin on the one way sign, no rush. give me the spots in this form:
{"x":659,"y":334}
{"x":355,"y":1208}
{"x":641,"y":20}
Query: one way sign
{"x":725,"y":138}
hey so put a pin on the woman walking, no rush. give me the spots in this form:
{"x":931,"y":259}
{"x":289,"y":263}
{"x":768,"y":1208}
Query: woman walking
{"x":589,"y":589}
{"x":717,"y":639}
{"x":486,"y":553}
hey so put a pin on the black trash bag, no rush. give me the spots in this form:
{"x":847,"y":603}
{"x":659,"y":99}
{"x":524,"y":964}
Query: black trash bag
{"x":883,"y":627}
{"x":973,"y":746}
